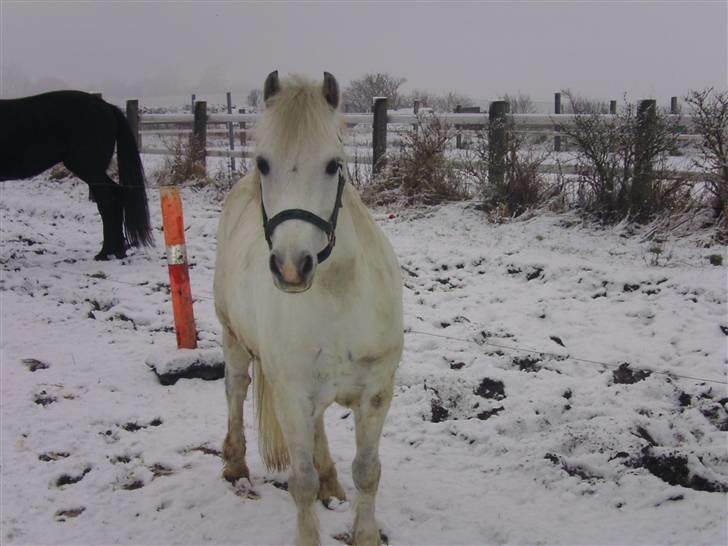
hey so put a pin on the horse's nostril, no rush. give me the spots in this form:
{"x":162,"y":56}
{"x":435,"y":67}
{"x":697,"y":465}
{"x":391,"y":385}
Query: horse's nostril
{"x":274,"y":265}
{"x":306,"y":266}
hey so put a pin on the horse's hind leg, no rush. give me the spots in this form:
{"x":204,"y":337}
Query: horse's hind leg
{"x":237,"y":361}
{"x":109,"y":200}
{"x":329,"y":485}
{"x":366,"y":469}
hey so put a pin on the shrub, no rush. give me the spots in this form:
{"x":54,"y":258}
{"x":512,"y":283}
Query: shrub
{"x":421,"y":173}
{"x":710,"y":116}
{"x":621,"y":165}
{"x":521,"y":187}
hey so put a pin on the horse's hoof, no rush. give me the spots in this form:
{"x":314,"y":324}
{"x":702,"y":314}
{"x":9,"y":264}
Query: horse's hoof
{"x":101,"y":257}
{"x":233,"y":473}
{"x":120,"y":254}
{"x":336,"y":505}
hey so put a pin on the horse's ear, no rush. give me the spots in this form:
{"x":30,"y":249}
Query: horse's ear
{"x":331,"y":90}
{"x":271,"y":86}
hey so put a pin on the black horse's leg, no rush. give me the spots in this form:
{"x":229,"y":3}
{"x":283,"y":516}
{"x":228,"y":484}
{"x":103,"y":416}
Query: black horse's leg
{"x":108,"y":196}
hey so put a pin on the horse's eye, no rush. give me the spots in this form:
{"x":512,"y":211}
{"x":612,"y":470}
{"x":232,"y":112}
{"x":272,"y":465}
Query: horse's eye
{"x":263,"y":166}
{"x":331,"y":167}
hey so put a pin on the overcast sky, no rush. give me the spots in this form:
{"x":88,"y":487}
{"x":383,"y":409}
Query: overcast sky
{"x":480,"y":49}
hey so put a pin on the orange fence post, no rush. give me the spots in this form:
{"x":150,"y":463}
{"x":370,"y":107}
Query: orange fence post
{"x":179,"y":276}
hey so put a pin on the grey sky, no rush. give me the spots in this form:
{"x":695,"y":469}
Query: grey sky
{"x":481,"y":49}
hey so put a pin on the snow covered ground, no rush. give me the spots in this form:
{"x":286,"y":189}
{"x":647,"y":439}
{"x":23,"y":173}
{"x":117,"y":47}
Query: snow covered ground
{"x":483,"y":445}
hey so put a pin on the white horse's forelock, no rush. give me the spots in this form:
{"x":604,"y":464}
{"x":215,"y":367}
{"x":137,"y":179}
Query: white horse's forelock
{"x":298,"y":119}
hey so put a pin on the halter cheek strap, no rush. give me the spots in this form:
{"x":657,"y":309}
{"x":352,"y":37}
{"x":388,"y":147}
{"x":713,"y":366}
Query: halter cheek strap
{"x":327,"y":226}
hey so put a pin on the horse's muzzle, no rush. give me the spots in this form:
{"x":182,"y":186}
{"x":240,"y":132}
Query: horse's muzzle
{"x":292,"y":275}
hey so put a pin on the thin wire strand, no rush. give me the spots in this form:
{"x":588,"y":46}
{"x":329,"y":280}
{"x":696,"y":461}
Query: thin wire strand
{"x":558,"y":356}
{"x":205,"y":297}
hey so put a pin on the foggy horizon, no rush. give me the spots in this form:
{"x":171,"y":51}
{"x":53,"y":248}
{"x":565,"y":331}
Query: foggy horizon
{"x":482,"y":50}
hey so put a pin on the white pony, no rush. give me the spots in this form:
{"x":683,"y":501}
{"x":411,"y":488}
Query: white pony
{"x":308,"y":290}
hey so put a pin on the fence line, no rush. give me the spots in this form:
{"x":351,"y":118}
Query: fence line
{"x":381,"y":121}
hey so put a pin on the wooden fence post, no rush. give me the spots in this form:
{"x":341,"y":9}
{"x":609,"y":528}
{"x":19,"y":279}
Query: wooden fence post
{"x":243,"y":128}
{"x":497,"y":141}
{"x":379,"y":134}
{"x":458,"y":129}
{"x":640,"y":195}
{"x":416,"y":106}
{"x":231,"y":135}
{"x":192,"y":104}
{"x":557,"y":110}
{"x":674,"y":109}
{"x":199,"y":135}
{"x":132,"y":116}
{"x":612,"y":106}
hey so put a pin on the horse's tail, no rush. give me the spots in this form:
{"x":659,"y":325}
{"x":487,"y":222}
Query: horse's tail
{"x":271,"y":441}
{"x":137,"y":227}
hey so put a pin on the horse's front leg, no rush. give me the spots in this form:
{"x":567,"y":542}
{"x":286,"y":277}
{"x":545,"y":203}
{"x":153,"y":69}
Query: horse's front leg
{"x":329,"y":486}
{"x":237,"y":361}
{"x":369,"y":417}
{"x":295,"y":413}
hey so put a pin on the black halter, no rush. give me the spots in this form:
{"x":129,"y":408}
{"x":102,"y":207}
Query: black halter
{"x":328,"y":227}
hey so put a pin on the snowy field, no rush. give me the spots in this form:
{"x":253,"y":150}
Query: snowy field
{"x":483,"y":445}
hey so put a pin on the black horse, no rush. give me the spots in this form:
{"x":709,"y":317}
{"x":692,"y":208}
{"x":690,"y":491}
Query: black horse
{"x":80,"y":130}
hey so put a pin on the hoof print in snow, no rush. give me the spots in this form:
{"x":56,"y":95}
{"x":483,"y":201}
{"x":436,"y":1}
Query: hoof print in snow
{"x":557,"y":340}
{"x":202,"y":449}
{"x":207,"y":364}
{"x":283,"y":486}
{"x":346,"y":538}
{"x":624,"y":375}
{"x":44,"y":399}
{"x":723,"y":329}
{"x":133,"y":426}
{"x":534,"y":273}
{"x":68,"y":479}
{"x":528,"y":364}
{"x":34,"y":365}
{"x":572,"y":469}
{"x":491,"y":388}
{"x":63,"y":515}
{"x":438,"y":412}
{"x":484,"y":415}
{"x":52,"y":456}
{"x":159,"y":469}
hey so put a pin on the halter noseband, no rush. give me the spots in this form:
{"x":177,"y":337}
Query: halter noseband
{"x":328,"y":227}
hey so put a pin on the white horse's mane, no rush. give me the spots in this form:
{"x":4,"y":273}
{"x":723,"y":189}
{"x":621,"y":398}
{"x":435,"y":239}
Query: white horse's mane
{"x":298,"y":117}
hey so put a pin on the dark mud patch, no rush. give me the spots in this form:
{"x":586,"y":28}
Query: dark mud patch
{"x":672,"y":468}
{"x":52,"y":456}
{"x":68,"y":479}
{"x":68,"y":513}
{"x":44,"y":399}
{"x":34,"y":364}
{"x":346,"y":538}
{"x":492,"y":389}
{"x":625,"y":375}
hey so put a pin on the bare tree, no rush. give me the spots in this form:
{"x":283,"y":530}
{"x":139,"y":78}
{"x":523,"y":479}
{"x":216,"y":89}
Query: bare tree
{"x":255,"y":98}
{"x":358,"y":96}
{"x":710,"y":116}
{"x":439,"y":103}
{"x":520,"y":103}
{"x":579,"y":104}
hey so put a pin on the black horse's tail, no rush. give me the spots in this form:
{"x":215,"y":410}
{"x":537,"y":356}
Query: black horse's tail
{"x":137,"y":227}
